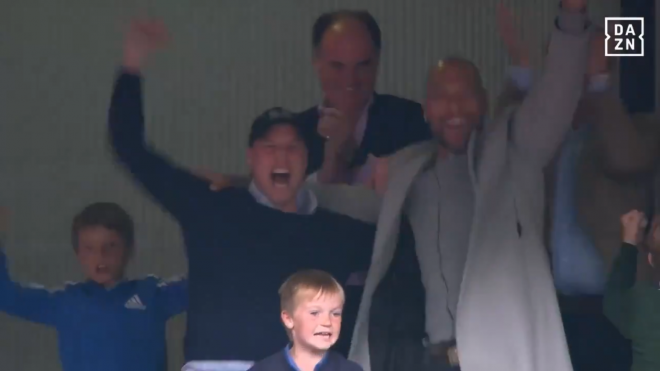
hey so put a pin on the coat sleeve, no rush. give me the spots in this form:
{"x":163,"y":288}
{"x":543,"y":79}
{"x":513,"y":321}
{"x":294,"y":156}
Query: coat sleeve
{"x":546,"y":114}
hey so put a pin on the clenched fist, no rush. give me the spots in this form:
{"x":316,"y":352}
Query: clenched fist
{"x":337,"y":131}
{"x":633,"y":224}
{"x":142,"y":39}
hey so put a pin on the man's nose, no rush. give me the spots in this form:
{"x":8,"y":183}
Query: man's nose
{"x":454,"y":107}
{"x":280,"y":155}
{"x":349,"y":78}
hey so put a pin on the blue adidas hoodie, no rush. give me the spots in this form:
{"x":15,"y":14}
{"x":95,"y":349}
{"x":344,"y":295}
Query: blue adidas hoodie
{"x":101,"y":329}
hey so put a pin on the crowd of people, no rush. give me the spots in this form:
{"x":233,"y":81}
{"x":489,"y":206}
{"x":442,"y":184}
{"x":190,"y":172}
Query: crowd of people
{"x":375,"y":233}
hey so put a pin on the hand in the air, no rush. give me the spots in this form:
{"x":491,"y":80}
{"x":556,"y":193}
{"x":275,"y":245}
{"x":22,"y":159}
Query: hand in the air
{"x":633,"y":224}
{"x":518,"y":52}
{"x":142,"y":39}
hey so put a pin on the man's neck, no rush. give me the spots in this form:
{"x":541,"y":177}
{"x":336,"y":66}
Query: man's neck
{"x":304,"y":201}
{"x":306,"y":360}
{"x":445,"y":152}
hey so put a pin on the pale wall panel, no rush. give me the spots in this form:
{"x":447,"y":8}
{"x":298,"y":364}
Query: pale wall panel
{"x":229,"y":61}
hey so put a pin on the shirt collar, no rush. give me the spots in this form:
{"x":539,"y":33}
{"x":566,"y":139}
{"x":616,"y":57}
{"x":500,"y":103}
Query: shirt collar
{"x":305,"y":200}
{"x":292,"y":363}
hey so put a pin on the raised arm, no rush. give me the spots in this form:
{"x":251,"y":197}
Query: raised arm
{"x":546,"y":113}
{"x":30,"y":302}
{"x":177,"y":190}
{"x":173,"y":296}
{"x":630,"y":143}
{"x":618,"y":291}
{"x":519,"y":76}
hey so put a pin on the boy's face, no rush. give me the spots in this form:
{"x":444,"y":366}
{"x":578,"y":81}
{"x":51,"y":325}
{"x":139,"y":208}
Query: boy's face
{"x":315,"y":323}
{"x":102,"y":254}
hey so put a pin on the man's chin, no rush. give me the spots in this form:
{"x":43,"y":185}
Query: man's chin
{"x":454,"y":146}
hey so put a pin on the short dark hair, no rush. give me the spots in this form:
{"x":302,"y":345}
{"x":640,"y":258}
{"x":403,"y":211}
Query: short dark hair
{"x":272,"y":117}
{"x":108,"y":215}
{"x":327,"y":20}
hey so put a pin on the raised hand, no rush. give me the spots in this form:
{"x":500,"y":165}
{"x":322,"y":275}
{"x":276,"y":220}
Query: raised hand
{"x":518,"y":52}
{"x":334,"y":127}
{"x":574,"y":5}
{"x":633,"y":224}
{"x":142,"y":39}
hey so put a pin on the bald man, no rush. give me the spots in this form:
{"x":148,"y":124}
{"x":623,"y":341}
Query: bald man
{"x":474,"y":197}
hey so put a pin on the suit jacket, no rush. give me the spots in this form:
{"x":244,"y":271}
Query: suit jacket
{"x":393,"y":123}
{"x":507,"y":315}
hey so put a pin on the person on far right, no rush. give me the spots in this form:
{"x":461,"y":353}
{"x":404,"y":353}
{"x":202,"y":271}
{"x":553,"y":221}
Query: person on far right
{"x":633,"y":306}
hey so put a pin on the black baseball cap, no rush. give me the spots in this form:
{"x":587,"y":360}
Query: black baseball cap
{"x":272,"y":117}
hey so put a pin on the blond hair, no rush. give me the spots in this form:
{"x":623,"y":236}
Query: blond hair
{"x":308,"y":284}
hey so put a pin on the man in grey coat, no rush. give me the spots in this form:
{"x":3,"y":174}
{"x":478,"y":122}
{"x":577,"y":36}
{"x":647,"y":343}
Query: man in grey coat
{"x":475,"y":198}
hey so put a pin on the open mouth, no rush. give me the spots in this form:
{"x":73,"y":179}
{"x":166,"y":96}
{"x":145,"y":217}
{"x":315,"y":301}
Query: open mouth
{"x":456,"y":122}
{"x":102,"y":269}
{"x":280,"y":177}
{"x":324,"y":334}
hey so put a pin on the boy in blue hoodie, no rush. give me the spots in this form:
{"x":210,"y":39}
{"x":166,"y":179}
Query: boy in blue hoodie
{"x":106,"y":322}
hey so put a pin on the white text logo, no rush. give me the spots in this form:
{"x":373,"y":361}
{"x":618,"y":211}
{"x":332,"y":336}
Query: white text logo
{"x":624,"y":36}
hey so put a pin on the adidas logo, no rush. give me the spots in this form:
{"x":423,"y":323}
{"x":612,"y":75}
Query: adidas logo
{"x":135,"y":303}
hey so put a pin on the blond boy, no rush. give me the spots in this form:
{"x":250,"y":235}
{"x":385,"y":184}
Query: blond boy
{"x":311,"y":304}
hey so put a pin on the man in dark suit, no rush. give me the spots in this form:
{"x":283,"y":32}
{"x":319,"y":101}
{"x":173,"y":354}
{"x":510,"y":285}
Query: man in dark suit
{"x":353,"y":125}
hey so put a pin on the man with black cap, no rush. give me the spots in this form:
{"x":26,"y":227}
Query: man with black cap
{"x":241,"y":243}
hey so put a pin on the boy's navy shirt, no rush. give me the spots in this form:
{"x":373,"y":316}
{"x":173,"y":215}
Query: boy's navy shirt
{"x":122,"y":328}
{"x":283,"y":361}
{"x":239,"y":251}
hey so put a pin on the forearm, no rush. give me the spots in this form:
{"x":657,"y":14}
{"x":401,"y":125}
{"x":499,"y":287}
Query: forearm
{"x":162,"y":179}
{"x":32,"y":302}
{"x":546,"y":113}
{"x":624,"y":270}
{"x":335,"y":169}
{"x":617,"y":302}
